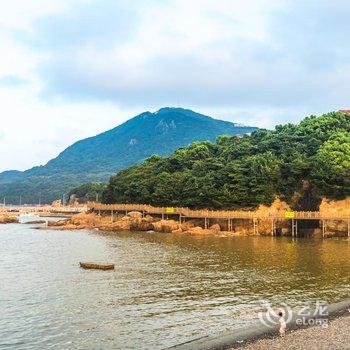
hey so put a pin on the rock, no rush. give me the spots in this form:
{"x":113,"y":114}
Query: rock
{"x":35,"y":222}
{"x":199,"y":231}
{"x":179,"y":230}
{"x":187,"y":225}
{"x":135,"y":214}
{"x":141,"y":224}
{"x":7,"y":219}
{"x":58,"y":223}
{"x":215,"y":228}
{"x":166,"y":226}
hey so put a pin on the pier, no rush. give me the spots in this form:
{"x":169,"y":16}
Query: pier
{"x":229,"y":216}
{"x":44,"y":210}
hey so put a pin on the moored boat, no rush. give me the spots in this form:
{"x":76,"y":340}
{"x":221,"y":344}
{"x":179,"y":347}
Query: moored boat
{"x":96,"y":266}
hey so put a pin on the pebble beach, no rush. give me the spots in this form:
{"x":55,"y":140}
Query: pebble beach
{"x":335,"y":337}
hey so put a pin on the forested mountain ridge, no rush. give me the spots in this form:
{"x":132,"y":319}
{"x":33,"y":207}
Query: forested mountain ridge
{"x":298,"y":163}
{"x":98,"y":157}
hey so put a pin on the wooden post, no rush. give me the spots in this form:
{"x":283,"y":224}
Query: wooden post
{"x":294,"y":228}
{"x":273,"y":227}
{"x":256,"y":226}
{"x":180,"y":218}
{"x":162,"y":216}
{"x":323,"y":228}
{"x":112,"y":218}
{"x":348,"y":228}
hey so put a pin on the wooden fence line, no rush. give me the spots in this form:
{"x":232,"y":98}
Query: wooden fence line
{"x":218,"y":214}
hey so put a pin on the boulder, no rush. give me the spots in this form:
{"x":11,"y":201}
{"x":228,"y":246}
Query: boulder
{"x":35,"y":222}
{"x":58,"y":223}
{"x":135,"y":214}
{"x":7,"y":219}
{"x":166,"y":226}
{"x":199,"y":231}
{"x":141,"y":224}
{"x":215,"y":228}
{"x":179,"y":230}
{"x":187,"y":225}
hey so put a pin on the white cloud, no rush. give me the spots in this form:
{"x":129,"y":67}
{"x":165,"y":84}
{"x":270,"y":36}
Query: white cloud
{"x":90,"y":64}
{"x":20,"y":14}
{"x":32,"y":131}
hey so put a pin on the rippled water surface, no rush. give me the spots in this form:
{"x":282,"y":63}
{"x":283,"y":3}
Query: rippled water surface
{"x":166,"y":289}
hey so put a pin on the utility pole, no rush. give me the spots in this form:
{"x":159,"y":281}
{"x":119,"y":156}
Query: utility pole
{"x":20,"y":200}
{"x":63,"y":199}
{"x":4,"y":201}
{"x":97,"y":197}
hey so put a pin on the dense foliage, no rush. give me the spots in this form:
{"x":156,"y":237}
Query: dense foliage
{"x":299,"y":163}
{"x":88,"y":192}
{"x":97,"y":158}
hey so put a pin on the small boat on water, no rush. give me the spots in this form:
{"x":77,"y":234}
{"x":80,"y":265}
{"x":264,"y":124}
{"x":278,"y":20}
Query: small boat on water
{"x":96,"y":266}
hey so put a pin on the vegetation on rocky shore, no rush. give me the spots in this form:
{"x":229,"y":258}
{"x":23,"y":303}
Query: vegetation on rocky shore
{"x":136,"y":221}
{"x":300,"y":164}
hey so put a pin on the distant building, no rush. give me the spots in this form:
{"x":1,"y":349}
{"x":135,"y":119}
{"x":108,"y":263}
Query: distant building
{"x":345,"y":111}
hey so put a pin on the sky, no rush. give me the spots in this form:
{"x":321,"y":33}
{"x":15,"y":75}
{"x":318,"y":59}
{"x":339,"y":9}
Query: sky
{"x":70,"y":69}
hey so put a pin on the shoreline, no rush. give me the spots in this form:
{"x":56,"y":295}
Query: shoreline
{"x":137,"y":221}
{"x":249,"y":336}
{"x":335,"y":336}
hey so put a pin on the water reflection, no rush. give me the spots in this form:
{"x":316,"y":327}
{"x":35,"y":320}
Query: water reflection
{"x":165,"y":289}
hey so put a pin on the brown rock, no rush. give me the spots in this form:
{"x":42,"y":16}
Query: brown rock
{"x":141,"y":224}
{"x":187,"y":225}
{"x":7,"y":219}
{"x":179,"y":230}
{"x":35,"y":222}
{"x":215,"y":228}
{"x":58,"y":223}
{"x":135,"y":214}
{"x":166,"y":226}
{"x":199,"y":231}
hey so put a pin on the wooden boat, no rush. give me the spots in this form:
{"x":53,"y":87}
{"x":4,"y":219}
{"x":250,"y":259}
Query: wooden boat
{"x":96,"y":266}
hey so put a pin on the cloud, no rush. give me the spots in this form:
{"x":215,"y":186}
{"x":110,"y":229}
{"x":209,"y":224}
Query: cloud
{"x":37,"y":131}
{"x":12,"y":80}
{"x":72,"y":68}
{"x":224,"y":53}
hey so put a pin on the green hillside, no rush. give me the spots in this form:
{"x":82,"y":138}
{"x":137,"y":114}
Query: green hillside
{"x":97,"y":158}
{"x":299,"y":163}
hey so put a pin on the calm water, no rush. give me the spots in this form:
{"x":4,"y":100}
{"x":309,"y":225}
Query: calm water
{"x":166,"y":289}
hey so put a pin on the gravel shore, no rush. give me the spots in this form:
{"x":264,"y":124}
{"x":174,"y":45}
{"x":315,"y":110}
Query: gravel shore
{"x":335,"y":337}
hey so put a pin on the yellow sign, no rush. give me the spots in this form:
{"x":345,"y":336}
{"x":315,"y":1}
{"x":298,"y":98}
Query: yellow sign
{"x":169,"y":210}
{"x":289,"y":214}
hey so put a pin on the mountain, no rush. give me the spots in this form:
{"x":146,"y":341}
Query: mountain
{"x":301,"y":164}
{"x":97,"y":158}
